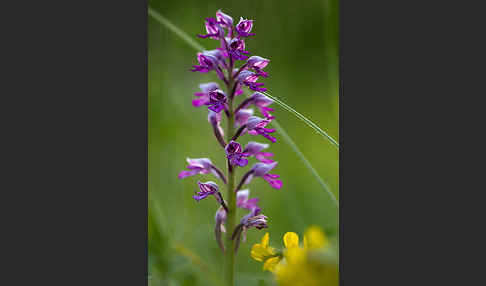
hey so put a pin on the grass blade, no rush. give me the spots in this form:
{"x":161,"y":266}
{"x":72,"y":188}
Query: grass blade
{"x":157,"y":16}
{"x":281,"y":130}
{"x":305,"y":119}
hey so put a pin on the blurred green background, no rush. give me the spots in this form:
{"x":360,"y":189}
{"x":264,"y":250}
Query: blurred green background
{"x":301,"y":38}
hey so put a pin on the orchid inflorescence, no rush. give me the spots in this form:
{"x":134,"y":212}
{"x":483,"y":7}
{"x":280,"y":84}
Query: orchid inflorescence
{"x":241,"y":120}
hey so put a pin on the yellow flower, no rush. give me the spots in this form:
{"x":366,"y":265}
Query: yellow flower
{"x":298,"y":264}
{"x":264,"y":253}
{"x":291,"y":240}
{"x":271,"y":263}
{"x":314,"y":238}
{"x":260,"y":251}
{"x":304,"y":266}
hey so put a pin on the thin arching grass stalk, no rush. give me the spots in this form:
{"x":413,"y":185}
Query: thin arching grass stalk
{"x":157,"y":16}
{"x":305,"y":119}
{"x":286,"y":137}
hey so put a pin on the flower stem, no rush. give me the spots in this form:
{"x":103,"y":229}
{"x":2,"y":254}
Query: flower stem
{"x":229,"y":260}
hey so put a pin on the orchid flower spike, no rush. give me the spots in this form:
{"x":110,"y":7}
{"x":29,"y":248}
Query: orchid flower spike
{"x":221,"y":60}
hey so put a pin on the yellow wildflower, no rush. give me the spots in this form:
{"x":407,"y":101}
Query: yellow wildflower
{"x":264,"y":253}
{"x":306,"y":266}
{"x":291,"y":240}
{"x":314,"y":238}
{"x":310,"y":264}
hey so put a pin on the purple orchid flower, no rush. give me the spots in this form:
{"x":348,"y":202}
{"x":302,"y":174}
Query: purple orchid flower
{"x":225,"y":21}
{"x":256,"y":126}
{"x":261,"y":170}
{"x":255,"y":148}
{"x":249,"y":79}
{"x":203,"y":97}
{"x":261,"y":101}
{"x":244,"y":27}
{"x":201,"y":166}
{"x":207,"y":189}
{"x":242,"y":115}
{"x":214,"y":119}
{"x":207,"y":62}
{"x":213,"y":29}
{"x":258,"y":63}
{"x":220,"y":218}
{"x":234,"y":154}
{"x":252,"y":219}
{"x":237,"y":49}
{"x":217,"y":100}
{"x":258,"y":221}
{"x":242,"y":200}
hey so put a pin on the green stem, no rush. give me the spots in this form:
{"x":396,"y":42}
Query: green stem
{"x":229,"y":260}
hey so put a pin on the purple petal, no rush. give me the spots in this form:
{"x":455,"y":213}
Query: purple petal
{"x":232,"y":147}
{"x":255,"y":147}
{"x":200,"y":197}
{"x":207,"y":87}
{"x":199,"y":101}
{"x":224,"y":19}
{"x":217,"y":107}
{"x":274,"y":183}
{"x":260,"y":169}
{"x":242,"y":162}
{"x":184,"y":174}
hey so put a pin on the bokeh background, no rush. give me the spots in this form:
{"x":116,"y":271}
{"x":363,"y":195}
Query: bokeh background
{"x":301,"y":38}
